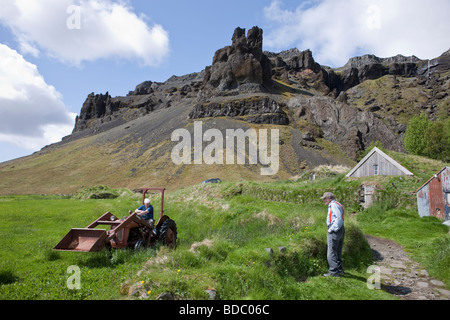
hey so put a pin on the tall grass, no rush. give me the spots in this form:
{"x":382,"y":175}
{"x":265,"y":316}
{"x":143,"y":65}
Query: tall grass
{"x":243,"y":240}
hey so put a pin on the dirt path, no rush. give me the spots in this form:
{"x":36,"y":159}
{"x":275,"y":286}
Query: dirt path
{"x":402,"y":276}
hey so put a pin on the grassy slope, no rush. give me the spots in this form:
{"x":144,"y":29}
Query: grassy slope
{"x":399,"y":98}
{"x":230,"y":225}
{"x":133,"y":164}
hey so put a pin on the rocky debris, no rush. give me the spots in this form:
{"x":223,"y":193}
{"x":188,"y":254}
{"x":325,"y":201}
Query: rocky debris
{"x":212,"y":294}
{"x":402,"y":276}
{"x":270,"y":250}
{"x":165,"y":296}
{"x":135,"y":291}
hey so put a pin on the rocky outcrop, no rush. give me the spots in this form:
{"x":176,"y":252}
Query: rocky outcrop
{"x":300,"y":66}
{"x":94,"y":107}
{"x":242,"y":66}
{"x":293,"y":60}
{"x":437,"y":65}
{"x":344,"y":125}
{"x":99,"y":109}
{"x":370,"y":67}
{"x":256,"y":110}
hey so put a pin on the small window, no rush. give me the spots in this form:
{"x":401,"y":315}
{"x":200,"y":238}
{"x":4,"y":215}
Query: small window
{"x":375,"y":170}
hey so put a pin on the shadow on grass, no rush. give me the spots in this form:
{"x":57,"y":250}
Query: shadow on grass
{"x":7,"y":277}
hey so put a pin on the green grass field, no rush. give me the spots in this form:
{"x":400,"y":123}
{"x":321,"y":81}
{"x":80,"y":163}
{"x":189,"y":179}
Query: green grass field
{"x":223,"y":233}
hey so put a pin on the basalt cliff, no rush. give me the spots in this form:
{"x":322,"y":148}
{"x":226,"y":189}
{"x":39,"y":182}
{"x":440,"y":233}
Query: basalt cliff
{"x":289,"y":88}
{"x":325,"y":115}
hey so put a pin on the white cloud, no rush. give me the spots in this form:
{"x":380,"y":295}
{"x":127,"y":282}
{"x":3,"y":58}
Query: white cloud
{"x":336,"y":30}
{"x":32,"y":113}
{"x":84,"y":30}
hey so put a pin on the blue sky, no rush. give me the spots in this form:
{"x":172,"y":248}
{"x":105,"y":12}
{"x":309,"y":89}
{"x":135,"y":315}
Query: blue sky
{"x":53,"y":53}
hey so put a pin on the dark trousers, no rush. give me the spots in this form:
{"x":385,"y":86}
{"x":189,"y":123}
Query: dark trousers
{"x":335,"y":242}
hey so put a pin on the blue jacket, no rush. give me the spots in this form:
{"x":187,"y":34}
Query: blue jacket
{"x":335,"y":216}
{"x":149,"y":215}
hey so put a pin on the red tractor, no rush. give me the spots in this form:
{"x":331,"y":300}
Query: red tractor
{"x":130,"y":232}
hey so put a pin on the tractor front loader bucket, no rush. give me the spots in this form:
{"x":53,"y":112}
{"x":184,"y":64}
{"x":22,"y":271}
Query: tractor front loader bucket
{"x":83,"y":240}
{"x":87,"y":239}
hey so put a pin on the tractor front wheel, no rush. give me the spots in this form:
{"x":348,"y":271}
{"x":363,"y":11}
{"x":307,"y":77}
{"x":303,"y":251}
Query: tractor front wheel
{"x":140,"y":244}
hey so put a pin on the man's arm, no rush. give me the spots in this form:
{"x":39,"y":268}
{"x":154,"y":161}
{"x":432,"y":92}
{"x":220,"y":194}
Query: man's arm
{"x":140,"y":211}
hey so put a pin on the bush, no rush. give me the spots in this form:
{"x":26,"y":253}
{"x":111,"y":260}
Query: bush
{"x":314,"y":248}
{"x":356,"y":252}
{"x":415,"y":140}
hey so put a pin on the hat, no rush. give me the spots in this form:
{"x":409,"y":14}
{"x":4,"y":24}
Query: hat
{"x":328,"y":195}
{"x":147,"y":201}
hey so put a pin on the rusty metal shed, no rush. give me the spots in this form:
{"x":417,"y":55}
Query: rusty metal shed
{"x":433,"y":197}
{"x":376,"y":162}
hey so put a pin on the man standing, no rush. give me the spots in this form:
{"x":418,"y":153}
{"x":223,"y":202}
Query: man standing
{"x":335,"y":234}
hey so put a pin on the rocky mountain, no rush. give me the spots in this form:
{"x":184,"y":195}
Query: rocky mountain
{"x":245,"y":83}
{"x":325,"y":115}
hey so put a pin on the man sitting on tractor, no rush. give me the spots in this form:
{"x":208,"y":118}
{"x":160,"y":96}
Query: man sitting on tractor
{"x":145,"y":211}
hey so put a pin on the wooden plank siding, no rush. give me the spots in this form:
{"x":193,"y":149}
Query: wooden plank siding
{"x":376,"y":162}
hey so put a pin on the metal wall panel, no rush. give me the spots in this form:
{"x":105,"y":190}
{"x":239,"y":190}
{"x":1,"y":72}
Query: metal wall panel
{"x":433,"y":198}
{"x":423,"y":205}
{"x":436,"y":198}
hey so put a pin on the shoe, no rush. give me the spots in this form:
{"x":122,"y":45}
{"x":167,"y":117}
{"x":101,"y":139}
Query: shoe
{"x":336,"y":275}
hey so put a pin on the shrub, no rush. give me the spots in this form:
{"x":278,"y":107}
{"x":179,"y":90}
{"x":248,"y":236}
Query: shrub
{"x":415,"y":141}
{"x":356,"y":252}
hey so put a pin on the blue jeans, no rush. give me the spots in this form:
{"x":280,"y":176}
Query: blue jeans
{"x":335,"y":241}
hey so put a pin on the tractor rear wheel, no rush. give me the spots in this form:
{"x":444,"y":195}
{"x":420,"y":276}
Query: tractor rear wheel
{"x":168,"y":233}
